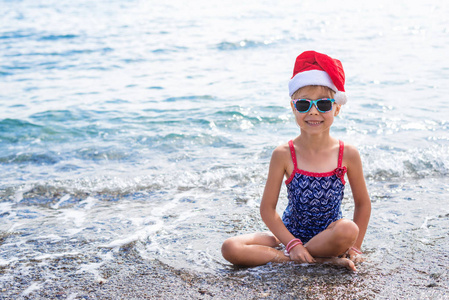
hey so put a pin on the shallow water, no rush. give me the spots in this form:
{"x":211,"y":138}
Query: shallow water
{"x":135,"y":137}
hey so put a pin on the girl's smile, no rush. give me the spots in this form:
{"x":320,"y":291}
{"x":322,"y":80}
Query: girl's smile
{"x":314,"y":123}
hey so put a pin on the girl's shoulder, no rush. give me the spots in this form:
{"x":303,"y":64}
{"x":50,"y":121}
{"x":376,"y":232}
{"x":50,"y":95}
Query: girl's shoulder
{"x":351,"y":151}
{"x":281,"y":154}
{"x":351,"y":155}
{"x":282,"y":150}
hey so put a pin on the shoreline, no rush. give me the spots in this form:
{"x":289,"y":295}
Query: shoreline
{"x":156,"y":280}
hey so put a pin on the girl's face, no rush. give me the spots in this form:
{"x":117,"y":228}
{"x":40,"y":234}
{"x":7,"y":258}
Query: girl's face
{"x":313,"y":121}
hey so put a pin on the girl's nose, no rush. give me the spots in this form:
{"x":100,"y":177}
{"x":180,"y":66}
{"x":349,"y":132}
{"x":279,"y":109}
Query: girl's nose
{"x":313,"y":110}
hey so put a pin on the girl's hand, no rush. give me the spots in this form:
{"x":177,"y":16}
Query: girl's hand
{"x":300,"y":254}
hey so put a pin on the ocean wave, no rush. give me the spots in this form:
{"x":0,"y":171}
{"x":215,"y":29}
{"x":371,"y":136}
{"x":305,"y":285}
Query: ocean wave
{"x":243,"y":44}
{"x":3,"y":73}
{"x":235,"y":117}
{"x":145,"y":182}
{"x":152,"y":181}
{"x":36,"y":35}
{"x":54,"y":127}
{"x":170,"y":49}
{"x":195,"y":98}
{"x":15,"y":130}
{"x":69,"y":52}
{"x":55,"y":37}
{"x":68,"y":193}
{"x":382,"y":163}
{"x":42,"y":159}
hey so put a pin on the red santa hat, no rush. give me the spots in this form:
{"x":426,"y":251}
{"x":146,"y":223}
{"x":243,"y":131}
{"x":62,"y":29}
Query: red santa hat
{"x":313,"y":68}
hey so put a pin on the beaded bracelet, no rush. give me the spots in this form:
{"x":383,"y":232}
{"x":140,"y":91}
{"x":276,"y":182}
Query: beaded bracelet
{"x":356,"y":250}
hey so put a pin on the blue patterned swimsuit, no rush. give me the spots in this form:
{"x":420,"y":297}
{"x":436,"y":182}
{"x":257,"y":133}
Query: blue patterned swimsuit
{"x":314,"y":199}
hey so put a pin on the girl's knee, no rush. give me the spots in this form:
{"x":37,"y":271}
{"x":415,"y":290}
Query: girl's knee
{"x":231,"y":249}
{"x":346,"y":230}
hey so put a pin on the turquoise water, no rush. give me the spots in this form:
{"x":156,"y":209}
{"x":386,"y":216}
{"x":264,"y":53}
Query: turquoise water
{"x":139,"y":133}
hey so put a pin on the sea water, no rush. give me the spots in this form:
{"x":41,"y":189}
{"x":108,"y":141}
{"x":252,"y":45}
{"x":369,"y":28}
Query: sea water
{"x":139,"y":133}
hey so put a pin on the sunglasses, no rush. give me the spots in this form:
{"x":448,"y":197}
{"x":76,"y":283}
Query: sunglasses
{"x":322,"y":105}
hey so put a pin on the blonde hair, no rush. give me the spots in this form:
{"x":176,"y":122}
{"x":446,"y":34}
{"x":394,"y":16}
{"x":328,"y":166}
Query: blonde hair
{"x":294,"y":96}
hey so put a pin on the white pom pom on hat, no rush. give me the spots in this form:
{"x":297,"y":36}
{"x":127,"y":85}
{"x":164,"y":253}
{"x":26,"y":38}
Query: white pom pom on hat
{"x":314,"y":68}
{"x":340,"y":97}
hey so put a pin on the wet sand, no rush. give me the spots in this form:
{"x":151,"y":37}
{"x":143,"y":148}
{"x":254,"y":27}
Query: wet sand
{"x":155,"y":280}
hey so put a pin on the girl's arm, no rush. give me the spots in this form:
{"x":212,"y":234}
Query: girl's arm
{"x":269,"y":202}
{"x":362,"y":202}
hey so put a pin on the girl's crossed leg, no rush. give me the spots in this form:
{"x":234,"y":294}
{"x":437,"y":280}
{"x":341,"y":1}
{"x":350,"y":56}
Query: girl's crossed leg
{"x":253,"y":249}
{"x":326,"y":247}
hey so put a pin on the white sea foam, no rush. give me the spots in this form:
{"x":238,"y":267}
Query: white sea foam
{"x":18,"y":195}
{"x":140,"y":234}
{"x":88,"y":203}
{"x":51,"y":237}
{"x":93,"y":268}
{"x":6,"y":262}
{"x":56,"y":255}
{"x":62,"y":200}
{"x":5,"y":207}
{"x":32,"y":288}
{"x":72,"y":296}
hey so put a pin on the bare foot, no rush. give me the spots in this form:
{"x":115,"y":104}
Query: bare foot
{"x":337,"y":261}
{"x":354,"y":257}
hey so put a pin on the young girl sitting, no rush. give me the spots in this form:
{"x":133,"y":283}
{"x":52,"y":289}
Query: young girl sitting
{"x":314,"y":165}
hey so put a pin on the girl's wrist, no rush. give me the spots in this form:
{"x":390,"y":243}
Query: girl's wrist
{"x":293,"y":243}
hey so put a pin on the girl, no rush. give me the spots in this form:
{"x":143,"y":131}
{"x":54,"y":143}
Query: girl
{"x":313,"y":164}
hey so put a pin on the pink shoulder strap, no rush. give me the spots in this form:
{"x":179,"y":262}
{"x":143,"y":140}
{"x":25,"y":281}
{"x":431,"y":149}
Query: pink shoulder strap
{"x":340,"y":153}
{"x":292,"y":151}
